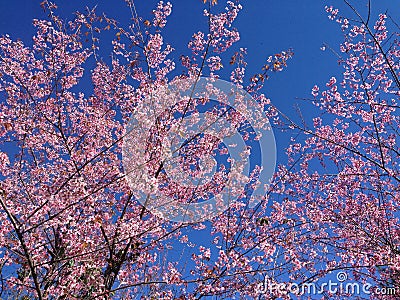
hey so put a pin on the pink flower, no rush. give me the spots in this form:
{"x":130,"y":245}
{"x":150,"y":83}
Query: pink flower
{"x":315,"y":91}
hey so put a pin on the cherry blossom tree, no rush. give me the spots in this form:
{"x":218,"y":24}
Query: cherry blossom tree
{"x":72,"y":223}
{"x":339,"y":208}
{"x":71,"y":227}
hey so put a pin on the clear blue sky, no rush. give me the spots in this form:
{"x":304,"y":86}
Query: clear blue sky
{"x":266,"y":27}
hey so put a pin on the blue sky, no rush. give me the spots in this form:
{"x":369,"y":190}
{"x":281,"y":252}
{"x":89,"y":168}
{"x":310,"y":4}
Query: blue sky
{"x":266,"y":26}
